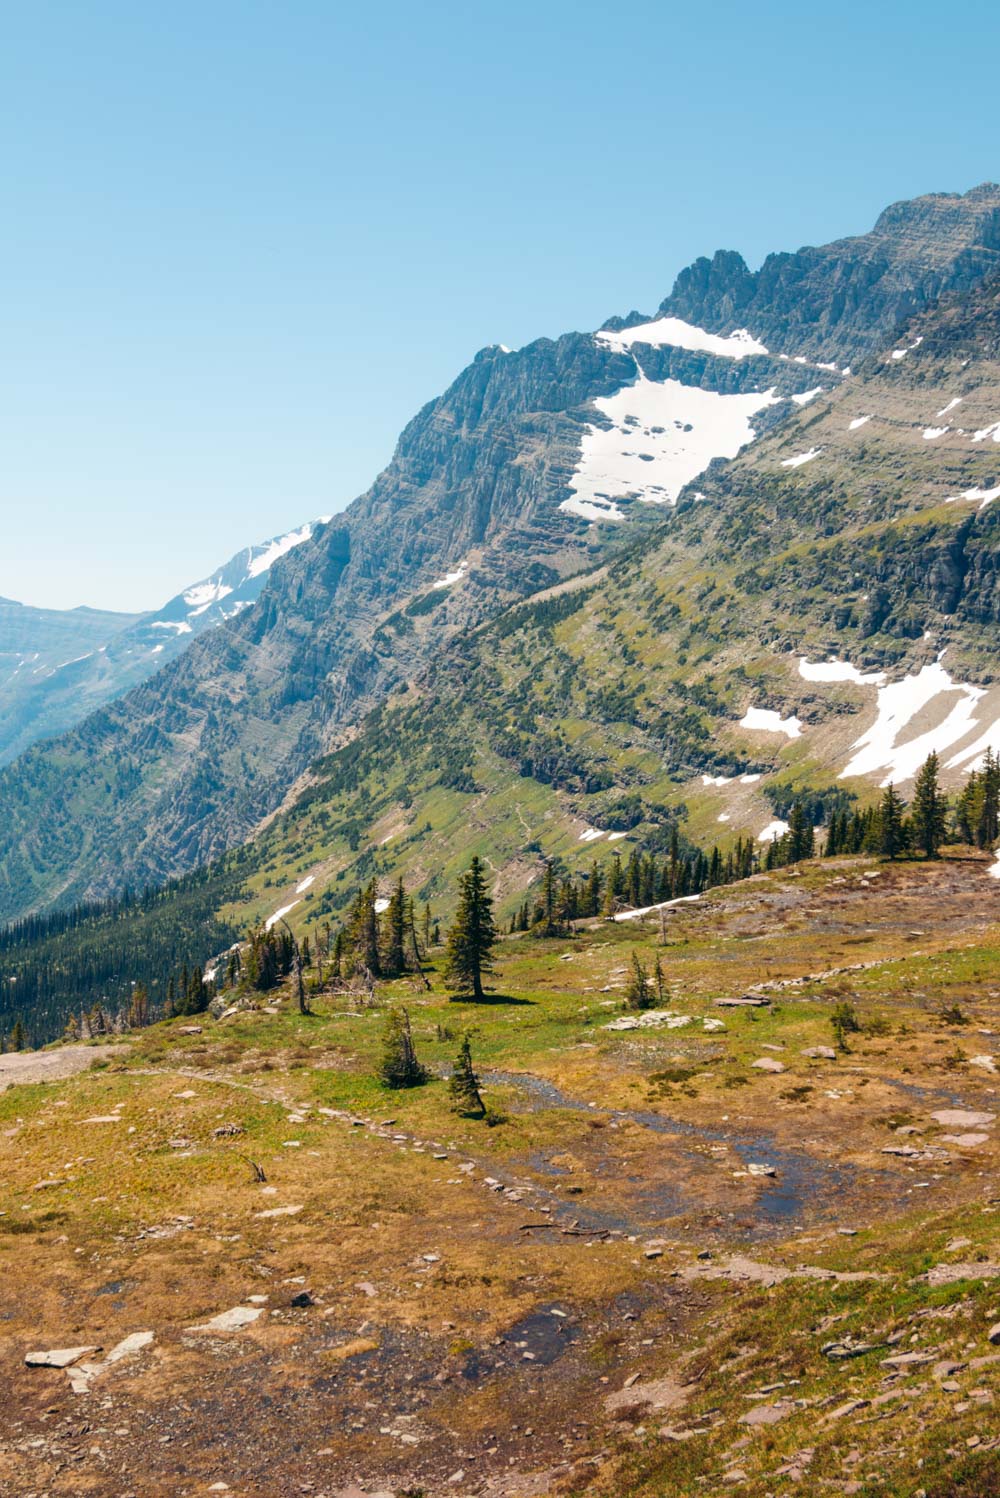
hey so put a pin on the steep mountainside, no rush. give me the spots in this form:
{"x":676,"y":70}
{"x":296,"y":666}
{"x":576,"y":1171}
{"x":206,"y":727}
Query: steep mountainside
{"x":802,"y":627}
{"x":57,"y":666}
{"x":490,"y":497}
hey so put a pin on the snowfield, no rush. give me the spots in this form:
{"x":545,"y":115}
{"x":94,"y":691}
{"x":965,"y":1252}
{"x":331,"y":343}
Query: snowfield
{"x":882,"y":747}
{"x":661,"y":435}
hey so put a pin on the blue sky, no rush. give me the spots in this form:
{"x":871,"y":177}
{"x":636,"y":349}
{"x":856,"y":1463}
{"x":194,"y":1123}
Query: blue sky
{"x":244,"y":242}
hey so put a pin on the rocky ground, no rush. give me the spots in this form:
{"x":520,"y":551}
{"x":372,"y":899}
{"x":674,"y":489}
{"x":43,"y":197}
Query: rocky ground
{"x":711,"y":1252}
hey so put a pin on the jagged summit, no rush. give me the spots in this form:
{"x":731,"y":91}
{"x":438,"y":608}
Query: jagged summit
{"x":842,"y":300}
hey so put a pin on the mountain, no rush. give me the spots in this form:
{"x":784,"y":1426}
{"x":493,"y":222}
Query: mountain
{"x":56,"y":666}
{"x":811,"y":624}
{"x":534,"y":466}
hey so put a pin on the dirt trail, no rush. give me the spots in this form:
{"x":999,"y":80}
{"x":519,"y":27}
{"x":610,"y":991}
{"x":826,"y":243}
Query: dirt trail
{"x":50,"y":1066}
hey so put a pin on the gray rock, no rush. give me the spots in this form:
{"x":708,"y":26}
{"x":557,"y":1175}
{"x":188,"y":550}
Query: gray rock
{"x":59,"y":1357}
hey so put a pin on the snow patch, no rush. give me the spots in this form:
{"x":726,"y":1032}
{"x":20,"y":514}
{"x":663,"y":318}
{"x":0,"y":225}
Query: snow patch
{"x":834,"y":670}
{"x":634,"y":915}
{"x":773,"y":831}
{"x":859,"y":421}
{"x":801,"y":458}
{"x":716,"y":779}
{"x":381,"y":905}
{"x":675,"y":333}
{"x":931,"y":434}
{"x":950,"y":406}
{"x":807,"y":395}
{"x":269,"y":554}
{"x":590,"y":835}
{"x":300,"y":889}
{"x":203,"y":595}
{"x":988,"y":432}
{"x":901,"y":353}
{"x":450,"y":577}
{"x":766,"y":720}
{"x":280,"y":914}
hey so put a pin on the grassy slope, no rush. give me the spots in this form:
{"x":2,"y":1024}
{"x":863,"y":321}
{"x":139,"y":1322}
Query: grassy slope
{"x":153,"y":1223}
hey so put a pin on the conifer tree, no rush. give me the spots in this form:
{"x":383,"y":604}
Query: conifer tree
{"x":659,"y":980}
{"x":549,"y":926}
{"x":399,"y":1066}
{"x":638,"y":994}
{"x":890,"y":823}
{"x":394,"y":961}
{"x":17,"y":1036}
{"x":463,"y":1089}
{"x":138,"y":1009}
{"x":473,"y":935}
{"x":929,"y":808}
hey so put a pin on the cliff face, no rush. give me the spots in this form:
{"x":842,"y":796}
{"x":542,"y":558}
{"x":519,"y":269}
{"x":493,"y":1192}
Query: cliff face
{"x":489,"y":498}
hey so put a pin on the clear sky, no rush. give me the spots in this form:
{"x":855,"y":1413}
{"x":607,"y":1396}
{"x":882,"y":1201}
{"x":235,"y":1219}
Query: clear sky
{"x":243,"y":242}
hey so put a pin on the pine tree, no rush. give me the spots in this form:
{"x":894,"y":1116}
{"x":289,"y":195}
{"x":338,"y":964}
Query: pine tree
{"x":17,"y":1036}
{"x":638,"y":994}
{"x":399,"y":1066}
{"x":799,"y":834}
{"x":473,"y":935}
{"x":550,"y":926}
{"x":988,"y":821}
{"x":394,"y":961}
{"x":659,"y":979}
{"x":138,"y":1009}
{"x":890,"y":823}
{"x":929,"y":808}
{"x":463,"y":1089}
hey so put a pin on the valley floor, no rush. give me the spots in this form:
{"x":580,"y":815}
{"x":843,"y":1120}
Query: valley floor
{"x":712,"y":1252}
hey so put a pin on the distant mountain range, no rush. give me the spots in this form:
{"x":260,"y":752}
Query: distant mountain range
{"x":56,"y":666}
{"x":751,"y":476}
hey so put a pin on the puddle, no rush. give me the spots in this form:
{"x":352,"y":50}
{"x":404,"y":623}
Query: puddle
{"x":802,"y":1181}
{"x":540,"y":1338}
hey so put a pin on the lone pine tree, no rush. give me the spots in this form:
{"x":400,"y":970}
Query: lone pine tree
{"x":890,"y":823}
{"x":929,"y":808}
{"x":638,"y":993}
{"x":463,"y":1089}
{"x":473,"y":935}
{"x":399,"y":1066}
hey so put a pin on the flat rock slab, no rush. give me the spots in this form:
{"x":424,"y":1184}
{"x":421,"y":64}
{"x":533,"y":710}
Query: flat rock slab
{"x":59,"y":1357}
{"x":949,"y":1274}
{"x":963,"y":1118}
{"x":49,"y":1066}
{"x":821,"y":1053}
{"x":965,"y":1141}
{"x":748,"y":1001}
{"x":657,"y":1394}
{"x":768,"y":1063}
{"x":230,"y":1321}
{"x":279,"y":1212}
{"x":768,"y":1414}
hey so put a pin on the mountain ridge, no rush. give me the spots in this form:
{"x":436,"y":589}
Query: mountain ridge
{"x":524,"y":472}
